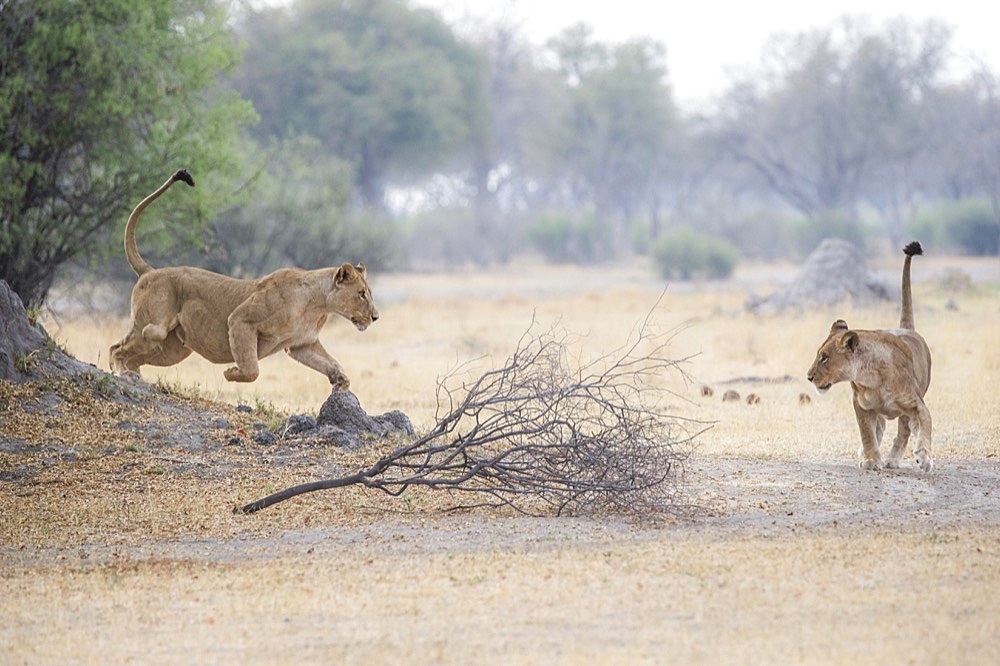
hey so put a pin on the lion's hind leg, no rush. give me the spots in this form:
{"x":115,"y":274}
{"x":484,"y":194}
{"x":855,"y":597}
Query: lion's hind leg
{"x":155,"y":332}
{"x":124,"y":357}
{"x":135,"y":351}
{"x":899,"y":445}
{"x":169,"y":352}
{"x":118,"y":356}
{"x":922,"y":447}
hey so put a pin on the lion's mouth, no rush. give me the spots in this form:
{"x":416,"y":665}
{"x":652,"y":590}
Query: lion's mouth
{"x":361,"y":324}
{"x":824,"y":388}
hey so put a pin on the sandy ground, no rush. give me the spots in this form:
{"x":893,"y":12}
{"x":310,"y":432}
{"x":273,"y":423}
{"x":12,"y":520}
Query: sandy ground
{"x":777,"y":562}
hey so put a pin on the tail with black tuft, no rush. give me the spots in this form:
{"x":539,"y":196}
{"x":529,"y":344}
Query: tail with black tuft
{"x":906,"y":313}
{"x":182,"y":174}
{"x":135,"y":259}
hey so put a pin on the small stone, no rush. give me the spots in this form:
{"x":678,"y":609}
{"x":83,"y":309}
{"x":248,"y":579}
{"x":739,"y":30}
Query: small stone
{"x":297,"y":424}
{"x":264,"y":438}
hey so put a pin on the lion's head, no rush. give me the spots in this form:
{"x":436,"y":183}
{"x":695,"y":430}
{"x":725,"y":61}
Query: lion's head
{"x":835,"y":358}
{"x":352,"y":297}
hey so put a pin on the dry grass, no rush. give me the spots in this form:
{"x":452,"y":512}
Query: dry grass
{"x":832,"y":598}
{"x":126,"y":552}
{"x":432,"y":323}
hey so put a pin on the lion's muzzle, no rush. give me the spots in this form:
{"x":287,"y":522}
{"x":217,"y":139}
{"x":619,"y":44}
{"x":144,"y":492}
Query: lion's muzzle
{"x":363,"y":323}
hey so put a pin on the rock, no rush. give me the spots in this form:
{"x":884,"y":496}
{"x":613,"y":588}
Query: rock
{"x":343,"y":421}
{"x":26,"y":350}
{"x":834,"y":271}
{"x":264,"y":438}
{"x":298,"y":423}
{"x":19,"y":339}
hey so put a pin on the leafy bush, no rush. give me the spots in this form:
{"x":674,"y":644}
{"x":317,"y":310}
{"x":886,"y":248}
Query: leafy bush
{"x":563,"y":238}
{"x":687,"y":254}
{"x":968,"y":226}
{"x":297,"y":212}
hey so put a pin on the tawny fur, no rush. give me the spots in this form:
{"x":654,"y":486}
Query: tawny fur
{"x":889,"y":371}
{"x":179,"y":310}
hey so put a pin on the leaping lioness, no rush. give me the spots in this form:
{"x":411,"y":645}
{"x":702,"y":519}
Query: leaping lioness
{"x":182,"y":309}
{"x":889,"y":371}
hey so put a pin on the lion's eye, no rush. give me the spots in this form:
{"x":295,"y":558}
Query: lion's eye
{"x":823,"y":358}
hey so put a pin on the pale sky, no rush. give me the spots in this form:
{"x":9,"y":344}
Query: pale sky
{"x":704,"y":38}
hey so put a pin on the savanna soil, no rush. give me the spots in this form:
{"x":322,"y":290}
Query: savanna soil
{"x":118,"y":544}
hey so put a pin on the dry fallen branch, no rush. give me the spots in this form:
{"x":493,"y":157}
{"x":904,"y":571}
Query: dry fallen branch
{"x":539,"y":434}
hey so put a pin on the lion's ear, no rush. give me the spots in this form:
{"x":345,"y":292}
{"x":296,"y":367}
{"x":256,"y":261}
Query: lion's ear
{"x":850,"y":341}
{"x":361,"y":268}
{"x":838,"y":326}
{"x":346,"y":273}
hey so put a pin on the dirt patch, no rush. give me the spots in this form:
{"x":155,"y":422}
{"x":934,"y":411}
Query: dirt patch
{"x":767,"y":497}
{"x":729,"y":498}
{"x":819,"y":545}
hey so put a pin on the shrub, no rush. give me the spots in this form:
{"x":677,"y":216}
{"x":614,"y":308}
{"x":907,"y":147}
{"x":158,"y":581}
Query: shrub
{"x":968,"y":226}
{"x":563,"y":238}
{"x":687,"y":254}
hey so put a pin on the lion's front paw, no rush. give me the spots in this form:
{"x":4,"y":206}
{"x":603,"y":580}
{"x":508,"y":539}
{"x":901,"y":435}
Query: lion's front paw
{"x":892,"y":463}
{"x":339,"y":381}
{"x":234,"y":374}
{"x":873,"y":464}
{"x":925,"y":462}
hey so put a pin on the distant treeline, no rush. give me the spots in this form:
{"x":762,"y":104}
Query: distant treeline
{"x":384,"y":134}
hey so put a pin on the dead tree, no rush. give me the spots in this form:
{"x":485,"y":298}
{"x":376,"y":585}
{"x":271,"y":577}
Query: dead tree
{"x":540,"y":435}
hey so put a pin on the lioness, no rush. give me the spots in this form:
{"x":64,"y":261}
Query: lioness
{"x":889,"y":371}
{"x":182,"y":309}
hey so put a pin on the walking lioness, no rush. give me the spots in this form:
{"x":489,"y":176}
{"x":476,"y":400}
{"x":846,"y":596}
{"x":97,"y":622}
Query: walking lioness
{"x":181,"y":309}
{"x":889,"y":371}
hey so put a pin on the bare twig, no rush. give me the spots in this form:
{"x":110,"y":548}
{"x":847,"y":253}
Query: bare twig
{"x":540,"y":434}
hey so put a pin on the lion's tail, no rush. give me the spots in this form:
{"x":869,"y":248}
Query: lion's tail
{"x":135,"y":259}
{"x":906,"y":315}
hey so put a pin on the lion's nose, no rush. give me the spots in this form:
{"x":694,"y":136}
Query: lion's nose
{"x":374,"y":316}
{"x":810,"y":376}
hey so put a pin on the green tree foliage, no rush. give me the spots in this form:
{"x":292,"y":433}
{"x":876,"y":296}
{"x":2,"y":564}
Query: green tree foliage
{"x":297,"y":212}
{"x":99,"y":103}
{"x":617,"y":141}
{"x":567,"y":239}
{"x":386,"y":88}
{"x":968,"y":226}
{"x":684,"y":253}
